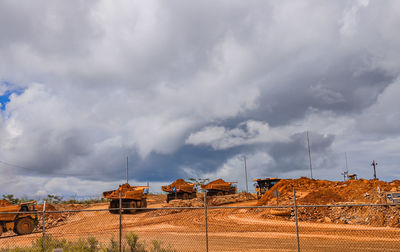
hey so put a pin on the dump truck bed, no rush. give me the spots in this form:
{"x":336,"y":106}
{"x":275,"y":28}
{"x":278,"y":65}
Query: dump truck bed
{"x":127,"y":192}
{"x":219,"y":185}
{"x":180,"y":186}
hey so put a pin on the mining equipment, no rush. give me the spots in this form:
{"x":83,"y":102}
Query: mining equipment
{"x":352,"y":176}
{"x":180,"y":189}
{"x":130,"y":196}
{"x":21,"y":218}
{"x":219,"y":187}
{"x":393,"y":198}
{"x":264,"y":184}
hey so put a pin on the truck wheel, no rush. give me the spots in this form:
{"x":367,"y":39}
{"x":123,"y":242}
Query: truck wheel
{"x":220,"y":193}
{"x":185,"y":196}
{"x":114,"y":204}
{"x":143,"y":203}
{"x":133,"y":204}
{"x":24,"y":226}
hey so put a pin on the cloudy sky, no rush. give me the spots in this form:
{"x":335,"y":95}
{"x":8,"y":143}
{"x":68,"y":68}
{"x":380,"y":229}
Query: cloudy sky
{"x":187,"y":88}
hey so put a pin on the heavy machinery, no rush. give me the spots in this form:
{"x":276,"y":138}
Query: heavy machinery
{"x":264,"y":184}
{"x":21,"y":218}
{"x":180,"y":189}
{"x":131,"y":197}
{"x":393,"y":198}
{"x":219,"y":187}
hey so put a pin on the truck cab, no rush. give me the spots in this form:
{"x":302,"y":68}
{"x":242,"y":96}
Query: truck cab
{"x":264,"y":184}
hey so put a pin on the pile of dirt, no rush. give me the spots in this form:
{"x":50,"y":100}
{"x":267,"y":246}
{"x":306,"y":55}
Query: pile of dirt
{"x":196,"y":202}
{"x":4,"y":203}
{"x":375,"y":216}
{"x":229,"y":199}
{"x":178,"y":183}
{"x":212,"y":201}
{"x":324,"y":192}
{"x":218,"y":181}
{"x":58,"y":218}
{"x":313,"y":191}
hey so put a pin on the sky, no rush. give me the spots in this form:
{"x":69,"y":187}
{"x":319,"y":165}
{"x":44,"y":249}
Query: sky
{"x":186,"y":89}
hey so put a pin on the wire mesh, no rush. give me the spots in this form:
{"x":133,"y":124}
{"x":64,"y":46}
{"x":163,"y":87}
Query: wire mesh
{"x":251,"y":229}
{"x":349,"y":228}
{"x":238,"y":228}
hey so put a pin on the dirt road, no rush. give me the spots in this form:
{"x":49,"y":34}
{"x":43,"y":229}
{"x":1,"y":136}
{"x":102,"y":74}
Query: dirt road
{"x":228,"y":230}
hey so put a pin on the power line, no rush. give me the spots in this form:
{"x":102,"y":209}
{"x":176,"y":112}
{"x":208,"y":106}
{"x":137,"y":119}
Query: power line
{"x":17,"y":166}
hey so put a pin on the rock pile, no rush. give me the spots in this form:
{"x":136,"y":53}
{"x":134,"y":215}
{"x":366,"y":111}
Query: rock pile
{"x":323,"y":192}
{"x":211,"y":201}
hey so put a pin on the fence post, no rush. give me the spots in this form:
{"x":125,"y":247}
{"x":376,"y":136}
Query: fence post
{"x":120,"y":222}
{"x":205,"y":217}
{"x":297,"y":224}
{"x":44,"y":226}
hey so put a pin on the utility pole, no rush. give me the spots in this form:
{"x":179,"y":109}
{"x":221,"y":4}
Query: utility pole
{"x":345,"y":173}
{"x":309,"y":154}
{"x":374,"y":164}
{"x":245,"y":171}
{"x":127,"y":170}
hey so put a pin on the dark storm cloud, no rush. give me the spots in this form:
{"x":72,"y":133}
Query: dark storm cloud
{"x":184,"y":87}
{"x":293,"y":156}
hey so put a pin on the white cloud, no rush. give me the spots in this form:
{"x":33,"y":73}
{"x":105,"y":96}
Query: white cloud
{"x":250,"y":132}
{"x":153,"y":79}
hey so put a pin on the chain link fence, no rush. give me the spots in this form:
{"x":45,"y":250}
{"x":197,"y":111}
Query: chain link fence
{"x":361,"y":227}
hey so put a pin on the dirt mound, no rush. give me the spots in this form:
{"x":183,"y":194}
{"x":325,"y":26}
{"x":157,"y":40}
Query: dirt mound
{"x":59,"y":218}
{"x":218,"y":181}
{"x":324,"y":192}
{"x":228,"y":199}
{"x":323,"y":196}
{"x":179,"y":182}
{"x":313,"y":191}
{"x":4,"y":203}
{"x":212,"y":201}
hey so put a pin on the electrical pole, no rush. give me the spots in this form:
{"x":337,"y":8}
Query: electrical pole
{"x":309,"y":154}
{"x":127,"y":170}
{"x":345,"y":173}
{"x":374,"y":164}
{"x":245,"y":171}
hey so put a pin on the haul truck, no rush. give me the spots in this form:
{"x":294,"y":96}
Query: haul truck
{"x":219,"y":187}
{"x":131,"y":197}
{"x":180,"y":189}
{"x":21,"y":218}
{"x":264,"y":184}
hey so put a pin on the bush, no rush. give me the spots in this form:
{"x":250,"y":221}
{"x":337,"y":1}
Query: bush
{"x":90,"y":244}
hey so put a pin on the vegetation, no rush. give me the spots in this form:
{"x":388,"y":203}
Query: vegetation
{"x":130,"y":244}
{"x":53,"y":199}
{"x":13,"y":200}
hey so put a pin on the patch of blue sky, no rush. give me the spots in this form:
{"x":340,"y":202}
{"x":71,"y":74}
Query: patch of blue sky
{"x":9,"y":89}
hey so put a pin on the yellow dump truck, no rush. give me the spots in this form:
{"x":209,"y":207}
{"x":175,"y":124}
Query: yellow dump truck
{"x":180,"y":189}
{"x":264,"y":184}
{"x":21,"y":218}
{"x":131,"y":197}
{"x":219,"y":187}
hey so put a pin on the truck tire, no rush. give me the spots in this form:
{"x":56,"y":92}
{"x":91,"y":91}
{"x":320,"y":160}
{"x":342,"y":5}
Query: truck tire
{"x":133,"y":204}
{"x":220,"y":193}
{"x":143,"y":203}
{"x":24,"y":226}
{"x":114,"y":204}
{"x":185,"y":196}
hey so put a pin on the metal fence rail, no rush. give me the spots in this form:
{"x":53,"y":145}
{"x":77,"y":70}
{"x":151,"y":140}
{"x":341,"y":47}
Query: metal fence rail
{"x":342,"y":227}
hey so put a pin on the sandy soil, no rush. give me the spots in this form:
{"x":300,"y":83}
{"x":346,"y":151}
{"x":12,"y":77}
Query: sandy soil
{"x":228,"y":230}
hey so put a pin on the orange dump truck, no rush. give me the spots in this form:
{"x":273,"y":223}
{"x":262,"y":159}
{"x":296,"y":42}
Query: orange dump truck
{"x":131,"y":197}
{"x":180,"y":189}
{"x":219,"y":187}
{"x":21,"y":218}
